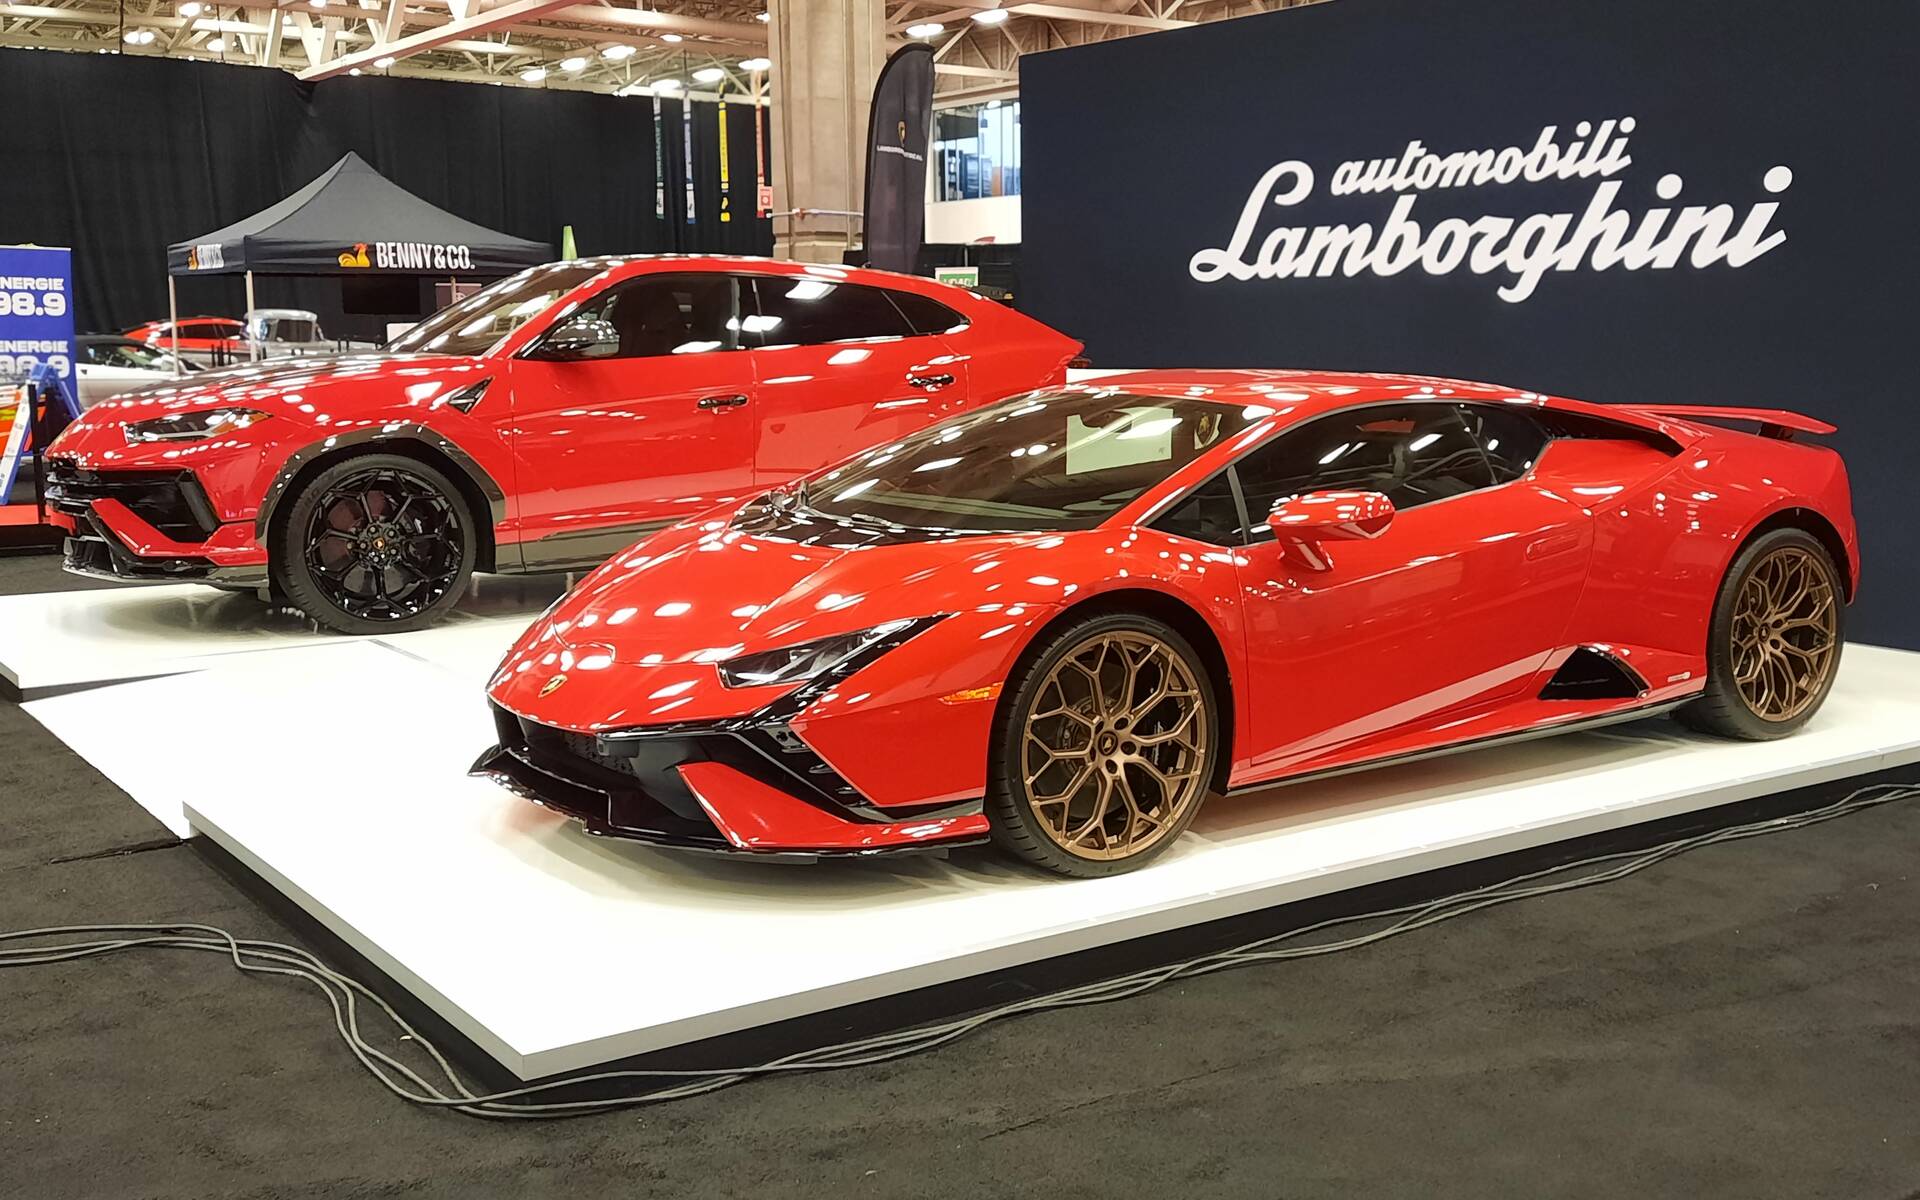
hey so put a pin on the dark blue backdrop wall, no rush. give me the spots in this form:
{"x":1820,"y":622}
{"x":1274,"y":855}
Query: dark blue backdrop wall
{"x":1144,"y":236}
{"x":118,"y":156}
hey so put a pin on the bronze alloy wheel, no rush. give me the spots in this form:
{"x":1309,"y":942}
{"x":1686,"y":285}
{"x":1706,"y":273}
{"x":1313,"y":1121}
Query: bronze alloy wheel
{"x":1115,"y":751}
{"x":1785,"y":632}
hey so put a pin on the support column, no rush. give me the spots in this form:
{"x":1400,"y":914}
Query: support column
{"x":826,"y":56}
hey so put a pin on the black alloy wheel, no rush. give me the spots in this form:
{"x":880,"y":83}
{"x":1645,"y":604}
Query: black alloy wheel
{"x":378,"y":543}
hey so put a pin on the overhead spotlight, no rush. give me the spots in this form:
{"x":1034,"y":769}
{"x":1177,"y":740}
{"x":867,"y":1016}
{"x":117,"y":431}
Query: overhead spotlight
{"x":217,"y":45}
{"x":191,"y":8}
{"x":755,"y":64}
{"x":924,"y":29}
{"x":617,"y":51}
{"x":138,"y":37}
{"x":667,"y":85}
{"x":353,"y":70}
{"x":534,"y":74}
{"x":763,"y":18}
{"x":991,"y":16}
{"x":318,"y":3}
{"x":575,"y":63}
{"x":384,"y":63}
{"x":671,"y":37}
{"x":709,"y":75}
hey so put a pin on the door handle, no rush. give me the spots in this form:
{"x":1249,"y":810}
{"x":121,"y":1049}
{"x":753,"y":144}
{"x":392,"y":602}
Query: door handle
{"x":722,"y":402}
{"x":931,"y":383}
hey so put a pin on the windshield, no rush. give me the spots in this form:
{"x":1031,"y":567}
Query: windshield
{"x":1065,"y":459}
{"x":479,"y":323}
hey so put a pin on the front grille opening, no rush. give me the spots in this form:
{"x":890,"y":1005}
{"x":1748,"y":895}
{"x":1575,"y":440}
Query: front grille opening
{"x":173,"y":502}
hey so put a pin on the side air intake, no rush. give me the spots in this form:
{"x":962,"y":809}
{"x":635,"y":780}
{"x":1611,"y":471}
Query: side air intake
{"x":1591,"y":674}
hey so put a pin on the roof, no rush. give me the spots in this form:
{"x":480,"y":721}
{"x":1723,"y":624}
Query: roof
{"x":354,"y":220}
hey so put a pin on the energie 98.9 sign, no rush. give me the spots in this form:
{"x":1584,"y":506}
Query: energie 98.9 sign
{"x":36,"y":312}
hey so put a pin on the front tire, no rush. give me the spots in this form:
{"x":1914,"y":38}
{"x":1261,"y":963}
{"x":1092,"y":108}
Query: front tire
{"x":1106,"y":747}
{"x":1774,"y":645}
{"x":376,"y":543}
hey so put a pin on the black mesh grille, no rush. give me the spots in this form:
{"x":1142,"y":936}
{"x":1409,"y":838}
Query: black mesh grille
{"x":171,"y":501}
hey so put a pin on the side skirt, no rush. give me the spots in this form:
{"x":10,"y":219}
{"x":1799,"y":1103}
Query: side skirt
{"x":1576,"y":725}
{"x":575,"y":549}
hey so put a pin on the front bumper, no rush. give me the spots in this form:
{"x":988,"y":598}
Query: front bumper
{"x":149,"y":526}
{"x":746,"y":786}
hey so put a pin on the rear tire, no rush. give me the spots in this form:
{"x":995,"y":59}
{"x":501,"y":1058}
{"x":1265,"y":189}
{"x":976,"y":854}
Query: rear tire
{"x":1774,"y":644}
{"x":376,"y":543}
{"x":1105,"y":748}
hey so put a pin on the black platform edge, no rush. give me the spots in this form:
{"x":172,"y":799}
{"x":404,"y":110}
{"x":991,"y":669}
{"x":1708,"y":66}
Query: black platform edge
{"x":947,"y":1001}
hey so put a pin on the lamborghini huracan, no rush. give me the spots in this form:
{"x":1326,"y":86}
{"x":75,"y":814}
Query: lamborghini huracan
{"x":1064,"y":621}
{"x":541,"y":424}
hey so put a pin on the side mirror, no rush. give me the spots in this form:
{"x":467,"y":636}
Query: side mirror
{"x":579,"y":338}
{"x":1301,"y":523}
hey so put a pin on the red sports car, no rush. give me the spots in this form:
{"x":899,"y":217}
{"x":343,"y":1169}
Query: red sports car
{"x":202,"y":339}
{"x":540,"y":424}
{"x":1063,"y":621}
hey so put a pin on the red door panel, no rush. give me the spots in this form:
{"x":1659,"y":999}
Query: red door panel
{"x":819,"y":404}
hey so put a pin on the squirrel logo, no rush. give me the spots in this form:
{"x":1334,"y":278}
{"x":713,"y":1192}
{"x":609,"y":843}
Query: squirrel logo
{"x":356,"y":257}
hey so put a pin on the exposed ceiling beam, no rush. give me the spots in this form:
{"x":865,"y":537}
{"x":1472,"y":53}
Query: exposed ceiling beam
{"x":497,"y":17}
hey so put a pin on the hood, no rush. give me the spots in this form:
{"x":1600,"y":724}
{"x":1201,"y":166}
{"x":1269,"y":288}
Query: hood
{"x":338,"y":386}
{"x":700,"y":594}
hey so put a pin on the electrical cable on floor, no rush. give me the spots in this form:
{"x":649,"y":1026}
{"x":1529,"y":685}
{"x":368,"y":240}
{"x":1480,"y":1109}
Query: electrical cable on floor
{"x":413,"y":1085}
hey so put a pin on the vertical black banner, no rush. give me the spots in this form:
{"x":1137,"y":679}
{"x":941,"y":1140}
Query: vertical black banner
{"x":897,"y":128}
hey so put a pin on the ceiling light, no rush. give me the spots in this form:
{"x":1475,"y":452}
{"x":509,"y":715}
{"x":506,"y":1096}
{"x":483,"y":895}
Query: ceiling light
{"x":384,"y":63}
{"x":991,"y":16}
{"x":671,"y":37}
{"x":709,"y":75}
{"x":138,"y":37}
{"x":617,"y":51}
{"x":190,"y":9}
{"x":353,"y":70}
{"x":924,"y":29}
{"x":667,"y":85}
{"x":217,"y":45}
{"x":755,"y":64}
{"x":534,"y":74}
{"x":763,"y":18}
{"x":576,"y":63}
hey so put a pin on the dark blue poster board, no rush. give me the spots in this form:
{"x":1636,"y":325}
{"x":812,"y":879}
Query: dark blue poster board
{"x":1634,"y":201}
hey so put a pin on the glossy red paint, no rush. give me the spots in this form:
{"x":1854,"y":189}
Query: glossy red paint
{"x":197,"y":335}
{"x":573,"y":459}
{"x":1394,"y":633}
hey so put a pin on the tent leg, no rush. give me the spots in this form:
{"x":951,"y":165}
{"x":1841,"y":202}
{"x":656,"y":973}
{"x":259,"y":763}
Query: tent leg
{"x":173,"y":320}
{"x":253,"y":347}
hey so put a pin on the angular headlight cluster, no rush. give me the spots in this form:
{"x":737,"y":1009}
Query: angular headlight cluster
{"x":192,"y":426}
{"x":806,"y":660}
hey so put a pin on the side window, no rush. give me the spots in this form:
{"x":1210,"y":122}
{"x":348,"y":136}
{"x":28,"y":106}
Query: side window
{"x":657,"y":315}
{"x":926,"y":314}
{"x":1512,"y":439}
{"x":801,"y":310}
{"x":1209,"y":515}
{"x":1413,"y":453}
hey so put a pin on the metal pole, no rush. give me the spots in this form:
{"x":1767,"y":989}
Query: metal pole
{"x":253,"y":344}
{"x":173,"y":320}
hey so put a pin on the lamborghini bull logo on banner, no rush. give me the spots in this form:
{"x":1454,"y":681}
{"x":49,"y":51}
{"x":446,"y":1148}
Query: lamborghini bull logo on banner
{"x":408,"y":256}
{"x":1613,"y":230}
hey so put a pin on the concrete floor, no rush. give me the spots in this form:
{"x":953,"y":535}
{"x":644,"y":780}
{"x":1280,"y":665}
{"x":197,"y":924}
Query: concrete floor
{"x":1743,"y":1021}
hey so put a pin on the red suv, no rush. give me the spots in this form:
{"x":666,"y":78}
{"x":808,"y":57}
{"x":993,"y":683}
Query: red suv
{"x":541,"y":424}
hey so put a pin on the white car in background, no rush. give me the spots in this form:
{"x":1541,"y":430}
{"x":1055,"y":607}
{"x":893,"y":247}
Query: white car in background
{"x":108,"y":365}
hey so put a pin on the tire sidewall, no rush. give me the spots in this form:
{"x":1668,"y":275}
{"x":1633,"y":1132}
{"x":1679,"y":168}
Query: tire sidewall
{"x":1721,"y":691}
{"x":1015,"y":827}
{"x":288,"y":560}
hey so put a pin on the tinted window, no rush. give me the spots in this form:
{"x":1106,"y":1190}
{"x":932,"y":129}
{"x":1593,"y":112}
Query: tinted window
{"x":1209,"y":515}
{"x":926,"y":314}
{"x":479,"y":323}
{"x":657,"y":315}
{"x":1414,"y":453}
{"x":1512,"y":439}
{"x":1064,"y":459}
{"x":802,"y":310}
{"x":208,"y":329}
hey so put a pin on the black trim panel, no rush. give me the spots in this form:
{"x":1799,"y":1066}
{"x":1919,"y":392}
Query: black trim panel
{"x":401,"y":431}
{"x":581,"y":547}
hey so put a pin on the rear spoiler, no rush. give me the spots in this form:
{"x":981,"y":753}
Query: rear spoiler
{"x":1773,"y":422}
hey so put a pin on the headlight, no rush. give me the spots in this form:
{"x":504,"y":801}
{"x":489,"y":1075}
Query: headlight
{"x":806,"y":660}
{"x":192,"y":426}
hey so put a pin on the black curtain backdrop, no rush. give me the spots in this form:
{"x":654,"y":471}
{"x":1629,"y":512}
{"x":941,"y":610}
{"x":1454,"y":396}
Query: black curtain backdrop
{"x":117,"y":156}
{"x":1142,"y":152}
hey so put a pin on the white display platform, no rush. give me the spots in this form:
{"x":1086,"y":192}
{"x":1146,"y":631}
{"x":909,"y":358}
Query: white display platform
{"x":337,"y":776}
{"x":60,"y":639}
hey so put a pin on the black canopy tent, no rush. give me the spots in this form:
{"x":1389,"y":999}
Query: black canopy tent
{"x":350,"y":221}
